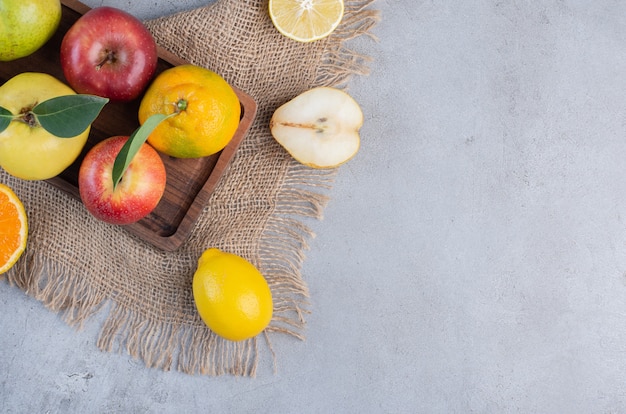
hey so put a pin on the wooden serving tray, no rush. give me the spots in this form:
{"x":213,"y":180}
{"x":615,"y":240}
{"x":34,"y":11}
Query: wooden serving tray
{"x":190,"y":182}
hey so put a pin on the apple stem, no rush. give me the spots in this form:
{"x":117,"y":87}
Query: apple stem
{"x":109,"y":57}
{"x":29,"y":118}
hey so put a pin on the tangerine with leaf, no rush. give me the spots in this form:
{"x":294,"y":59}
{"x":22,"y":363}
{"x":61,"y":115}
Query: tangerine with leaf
{"x":205,"y":111}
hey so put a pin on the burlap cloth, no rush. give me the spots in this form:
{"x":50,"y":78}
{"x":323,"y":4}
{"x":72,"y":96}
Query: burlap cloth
{"x":78,"y":266}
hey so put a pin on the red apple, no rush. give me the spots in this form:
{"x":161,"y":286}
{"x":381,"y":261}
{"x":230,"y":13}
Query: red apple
{"x":110,"y":53}
{"x":137,"y":193}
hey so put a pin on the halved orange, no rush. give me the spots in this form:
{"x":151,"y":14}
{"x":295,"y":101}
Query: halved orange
{"x":306,"y":20}
{"x":13,"y":228}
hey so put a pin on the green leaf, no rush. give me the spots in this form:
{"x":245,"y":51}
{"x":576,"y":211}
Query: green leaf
{"x":68,"y":116}
{"x":5,"y":118}
{"x":130,"y":148}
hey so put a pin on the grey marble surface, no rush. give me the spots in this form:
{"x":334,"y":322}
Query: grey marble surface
{"x":473,"y":255}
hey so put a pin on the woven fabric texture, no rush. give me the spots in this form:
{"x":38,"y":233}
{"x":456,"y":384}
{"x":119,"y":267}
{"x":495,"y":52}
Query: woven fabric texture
{"x":78,"y":266}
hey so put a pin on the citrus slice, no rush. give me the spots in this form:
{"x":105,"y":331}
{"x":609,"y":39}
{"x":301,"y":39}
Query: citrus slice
{"x":13,"y":228}
{"x":306,"y":20}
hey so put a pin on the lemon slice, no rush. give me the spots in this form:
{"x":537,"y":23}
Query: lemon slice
{"x":13,"y":228}
{"x":306,"y":20}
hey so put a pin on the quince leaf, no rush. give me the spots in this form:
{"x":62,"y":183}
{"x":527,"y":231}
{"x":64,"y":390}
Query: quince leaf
{"x":132,"y":145}
{"x":68,"y":116}
{"x":5,"y":118}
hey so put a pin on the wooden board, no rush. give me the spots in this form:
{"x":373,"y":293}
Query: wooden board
{"x":190,"y":182}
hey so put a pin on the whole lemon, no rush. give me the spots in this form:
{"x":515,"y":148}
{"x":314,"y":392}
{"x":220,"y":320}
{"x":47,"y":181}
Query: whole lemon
{"x":231,"y":295}
{"x":26,"y":25}
{"x":206,"y":106}
{"x":27,"y":150}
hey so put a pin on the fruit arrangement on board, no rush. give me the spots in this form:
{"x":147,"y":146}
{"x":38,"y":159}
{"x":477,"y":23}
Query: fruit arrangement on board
{"x":108,"y":56}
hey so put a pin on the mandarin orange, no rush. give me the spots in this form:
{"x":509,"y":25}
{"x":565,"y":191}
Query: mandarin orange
{"x":206,"y":106}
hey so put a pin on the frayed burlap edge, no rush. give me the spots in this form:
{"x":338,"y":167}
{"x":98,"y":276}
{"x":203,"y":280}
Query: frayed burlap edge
{"x":279,"y":256}
{"x":284,"y":260}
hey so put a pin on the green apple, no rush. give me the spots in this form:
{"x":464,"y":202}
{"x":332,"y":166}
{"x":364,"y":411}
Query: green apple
{"x":26,"y":25}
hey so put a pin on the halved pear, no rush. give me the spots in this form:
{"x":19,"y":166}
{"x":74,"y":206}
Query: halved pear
{"x":320,"y":127}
